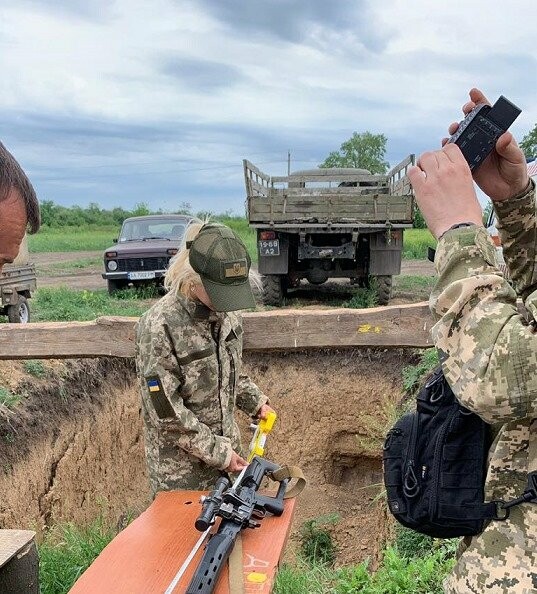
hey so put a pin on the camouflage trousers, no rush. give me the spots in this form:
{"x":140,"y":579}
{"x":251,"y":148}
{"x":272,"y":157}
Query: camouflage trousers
{"x":501,"y":560}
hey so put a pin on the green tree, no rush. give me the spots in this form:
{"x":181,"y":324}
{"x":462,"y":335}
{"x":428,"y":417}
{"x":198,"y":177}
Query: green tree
{"x":529,"y":143}
{"x":141,"y":210}
{"x":364,"y":150}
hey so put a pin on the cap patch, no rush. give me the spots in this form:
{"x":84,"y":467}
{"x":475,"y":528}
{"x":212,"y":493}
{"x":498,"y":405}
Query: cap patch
{"x":236,"y":269}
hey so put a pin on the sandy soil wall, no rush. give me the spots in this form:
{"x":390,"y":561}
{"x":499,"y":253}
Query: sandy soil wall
{"x":73,"y":449}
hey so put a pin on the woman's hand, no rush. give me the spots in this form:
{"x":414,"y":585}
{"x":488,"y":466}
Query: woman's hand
{"x":237,"y":463}
{"x":264,"y":411}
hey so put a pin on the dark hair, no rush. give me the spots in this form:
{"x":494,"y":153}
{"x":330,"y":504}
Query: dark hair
{"x":12,"y":176}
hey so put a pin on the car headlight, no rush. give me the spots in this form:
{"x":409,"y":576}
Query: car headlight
{"x":112,"y":265}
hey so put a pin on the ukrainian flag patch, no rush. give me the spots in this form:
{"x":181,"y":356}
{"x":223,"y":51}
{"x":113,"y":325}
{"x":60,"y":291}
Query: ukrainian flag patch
{"x":158,"y":399}
{"x":153,"y":384}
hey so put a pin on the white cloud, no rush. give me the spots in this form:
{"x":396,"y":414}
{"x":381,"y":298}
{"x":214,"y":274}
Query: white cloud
{"x":310,"y":89}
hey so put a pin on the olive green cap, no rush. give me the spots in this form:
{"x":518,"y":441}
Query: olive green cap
{"x":223,"y":263}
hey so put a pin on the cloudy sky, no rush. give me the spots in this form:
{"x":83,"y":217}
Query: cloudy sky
{"x":126,"y":101}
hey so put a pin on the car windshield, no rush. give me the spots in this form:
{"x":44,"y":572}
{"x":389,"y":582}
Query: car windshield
{"x":148,"y":229}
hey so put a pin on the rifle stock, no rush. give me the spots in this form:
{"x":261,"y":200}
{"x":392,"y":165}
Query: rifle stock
{"x":214,"y":559}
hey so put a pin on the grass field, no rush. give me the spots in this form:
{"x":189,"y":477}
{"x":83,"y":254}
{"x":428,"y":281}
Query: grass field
{"x":62,"y":304}
{"x":73,"y":239}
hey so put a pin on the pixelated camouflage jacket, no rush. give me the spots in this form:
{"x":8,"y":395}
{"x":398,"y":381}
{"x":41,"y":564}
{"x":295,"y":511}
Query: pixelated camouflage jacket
{"x":490,"y":353}
{"x":189,"y":363}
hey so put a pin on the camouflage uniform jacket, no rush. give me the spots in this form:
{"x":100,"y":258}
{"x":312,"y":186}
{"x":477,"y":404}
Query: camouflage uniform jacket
{"x":188,"y":362}
{"x":490,"y":353}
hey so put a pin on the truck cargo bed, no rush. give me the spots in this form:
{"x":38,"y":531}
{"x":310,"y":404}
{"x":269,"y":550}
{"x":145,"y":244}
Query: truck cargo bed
{"x":329,"y":196}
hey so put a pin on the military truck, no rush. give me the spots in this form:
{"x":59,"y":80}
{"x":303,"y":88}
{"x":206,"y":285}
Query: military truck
{"x":17,"y":282}
{"x":329,"y":223}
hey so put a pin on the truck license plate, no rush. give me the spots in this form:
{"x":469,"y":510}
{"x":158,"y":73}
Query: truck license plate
{"x":269,"y":247}
{"x":141,"y":275}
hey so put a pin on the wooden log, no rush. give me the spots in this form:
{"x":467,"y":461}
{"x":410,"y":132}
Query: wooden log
{"x":19,"y":563}
{"x":106,"y":336}
{"x":392,"y":326}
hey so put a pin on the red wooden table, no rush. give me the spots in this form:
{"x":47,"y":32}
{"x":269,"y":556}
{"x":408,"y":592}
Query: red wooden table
{"x":146,"y":556}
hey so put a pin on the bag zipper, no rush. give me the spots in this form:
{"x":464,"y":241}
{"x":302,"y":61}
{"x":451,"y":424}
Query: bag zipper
{"x":413,"y":489}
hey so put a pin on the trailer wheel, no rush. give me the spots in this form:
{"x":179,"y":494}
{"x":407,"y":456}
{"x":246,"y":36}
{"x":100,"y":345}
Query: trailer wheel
{"x":20,"y":312}
{"x":383,"y":286}
{"x":273,"y":289}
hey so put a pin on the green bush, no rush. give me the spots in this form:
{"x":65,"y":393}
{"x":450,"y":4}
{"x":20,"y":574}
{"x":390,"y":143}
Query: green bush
{"x":35,"y":368}
{"x":317,"y":546}
{"x":7,"y":398}
{"x":413,"y":375}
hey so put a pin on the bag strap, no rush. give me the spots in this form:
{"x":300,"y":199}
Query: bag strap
{"x":236,"y":568}
{"x":290,"y":472}
{"x":483,"y":511}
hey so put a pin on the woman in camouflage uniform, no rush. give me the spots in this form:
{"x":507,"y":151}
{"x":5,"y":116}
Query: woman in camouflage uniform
{"x":188,"y":360}
{"x":488,"y":349}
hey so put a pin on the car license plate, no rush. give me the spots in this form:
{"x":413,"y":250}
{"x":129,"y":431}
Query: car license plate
{"x":141,"y":275}
{"x":269,"y":247}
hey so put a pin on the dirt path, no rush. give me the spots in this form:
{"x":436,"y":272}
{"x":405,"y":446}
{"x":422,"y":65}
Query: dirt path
{"x":60,"y":269}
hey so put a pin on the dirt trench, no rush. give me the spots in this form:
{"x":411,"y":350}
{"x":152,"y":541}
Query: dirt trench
{"x":73,"y":448}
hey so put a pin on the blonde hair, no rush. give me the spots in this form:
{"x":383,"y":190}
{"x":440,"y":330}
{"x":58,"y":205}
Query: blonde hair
{"x":180,"y":276}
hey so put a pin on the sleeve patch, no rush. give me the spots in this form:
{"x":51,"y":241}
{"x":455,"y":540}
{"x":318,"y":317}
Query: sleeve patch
{"x":153,"y":384}
{"x":162,"y":405}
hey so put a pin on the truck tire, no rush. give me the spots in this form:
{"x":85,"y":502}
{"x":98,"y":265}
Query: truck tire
{"x":19,"y":313}
{"x":115,"y":285}
{"x":273,"y":289}
{"x":383,"y":288}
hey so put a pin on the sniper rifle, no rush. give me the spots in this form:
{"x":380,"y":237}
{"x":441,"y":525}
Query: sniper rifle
{"x":239,"y":506}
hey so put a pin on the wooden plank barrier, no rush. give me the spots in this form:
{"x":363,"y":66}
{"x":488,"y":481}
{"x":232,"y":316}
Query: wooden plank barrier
{"x":147,"y":555}
{"x":391,"y":326}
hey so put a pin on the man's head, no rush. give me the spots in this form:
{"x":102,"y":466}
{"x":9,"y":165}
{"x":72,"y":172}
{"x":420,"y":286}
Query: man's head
{"x":19,"y":206}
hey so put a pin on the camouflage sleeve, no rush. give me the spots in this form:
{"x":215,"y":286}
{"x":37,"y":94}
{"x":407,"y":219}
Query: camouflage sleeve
{"x":156,"y":362}
{"x":489,"y":353}
{"x":249,"y":397}
{"x":517,"y":226}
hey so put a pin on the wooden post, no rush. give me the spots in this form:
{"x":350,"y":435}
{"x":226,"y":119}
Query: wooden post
{"x":19,"y":563}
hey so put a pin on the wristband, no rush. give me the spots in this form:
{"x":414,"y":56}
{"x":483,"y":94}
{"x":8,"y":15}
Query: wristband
{"x":457,"y":226}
